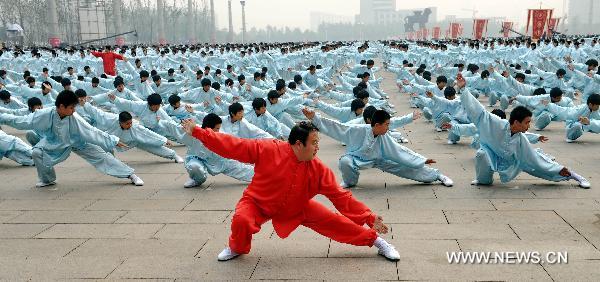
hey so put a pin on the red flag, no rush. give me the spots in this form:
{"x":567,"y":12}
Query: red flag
{"x":506,"y":27}
{"x":425,"y":33}
{"x":419,"y":34}
{"x":436,"y":32}
{"x":455,"y":30}
{"x":552,"y":25}
{"x":539,"y":18}
{"x":479,"y":26}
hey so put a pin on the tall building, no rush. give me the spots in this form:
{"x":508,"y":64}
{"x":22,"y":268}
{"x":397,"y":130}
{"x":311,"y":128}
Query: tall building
{"x":370,"y":10}
{"x":583,"y":17}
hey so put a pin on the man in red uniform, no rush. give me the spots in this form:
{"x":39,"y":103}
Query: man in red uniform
{"x":108,"y":60}
{"x":287,"y":175}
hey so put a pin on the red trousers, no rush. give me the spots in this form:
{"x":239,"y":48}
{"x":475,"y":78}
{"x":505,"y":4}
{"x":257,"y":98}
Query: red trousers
{"x":248,"y":219}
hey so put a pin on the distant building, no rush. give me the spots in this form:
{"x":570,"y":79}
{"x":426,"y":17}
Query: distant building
{"x":317,"y":18}
{"x":582,"y":17}
{"x":383,"y":12}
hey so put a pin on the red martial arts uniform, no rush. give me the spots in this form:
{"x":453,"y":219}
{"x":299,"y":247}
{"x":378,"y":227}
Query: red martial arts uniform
{"x":108,"y":61}
{"x":282,"y":190}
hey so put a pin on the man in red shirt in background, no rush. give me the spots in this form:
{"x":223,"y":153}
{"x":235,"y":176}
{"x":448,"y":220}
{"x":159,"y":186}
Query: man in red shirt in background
{"x":108,"y":60}
{"x":287,"y":175}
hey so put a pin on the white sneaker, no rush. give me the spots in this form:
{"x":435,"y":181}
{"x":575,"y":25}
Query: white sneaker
{"x":178,"y":159}
{"x":450,"y":142}
{"x":475,"y":182}
{"x":190,"y":183}
{"x":446,"y":181}
{"x":136,"y":180}
{"x":227,"y":254}
{"x":344,"y":185}
{"x":569,"y":140}
{"x":386,"y":250}
{"x":437,"y":129}
{"x":402,"y":140}
{"x":44,"y":184}
{"x":583,"y":183}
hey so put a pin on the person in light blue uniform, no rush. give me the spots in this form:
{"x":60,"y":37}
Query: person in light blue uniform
{"x":541,"y":116}
{"x":14,"y":148}
{"x":579,"y":119}
{"x":63,"y":131}
{"x":261,"y":118}
{"x":235,"y":124}
{"x":505,"y":149}
{"x":369,"y":146}
{"x":200,"y":162}
{"x":149,"y":113}
{"x":342,"y":114}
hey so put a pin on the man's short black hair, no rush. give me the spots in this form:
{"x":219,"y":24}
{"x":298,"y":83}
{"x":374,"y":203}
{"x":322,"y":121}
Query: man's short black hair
{"x":125,"y":117}
{"x":65,"y":82}
{"x":4,"y":95}
{"x":561,"y":72}
{"x":66,"y":98}
{"x":449,"y":92}
{"x":441,"y":79}
{"x":235,"y":108}
{"x":539,"y":91}
{"x":174,"y":99}
{"x":144,"y":73}
{"x":301,"y":131}
{"x":368,"y":113}
{"x":593,"y":99}
{"x":156,"y":77}
{"x":95,"y":80}
{"x":500,"y":113}
{"x":205,"y":82}
{"x":154,"y":99}
{"x":33,"y":101}
{"x":297,"y":78}
{"x":520,"y":75}
{"x":118,"y":82}
{"x":30,"y":79}
{"x":357,"y":104}
{"x":258,"y":103}
{"x":272,"y":94}
{"x":556,"y":92}
{"x":80,"y":93}
{"x":380,"y":117}
{"x":211,"y":121}
{"x":519,"y":114}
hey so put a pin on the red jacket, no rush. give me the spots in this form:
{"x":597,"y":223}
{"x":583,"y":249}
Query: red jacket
{"x":282,"y":185}
{"x":108,"y":61}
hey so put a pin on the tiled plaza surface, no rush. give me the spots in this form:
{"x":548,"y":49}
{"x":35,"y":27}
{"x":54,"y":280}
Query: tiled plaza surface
{"x":98,"y":227}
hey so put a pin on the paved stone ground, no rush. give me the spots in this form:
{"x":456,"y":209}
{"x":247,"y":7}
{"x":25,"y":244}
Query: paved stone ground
{"x":99,"y":227}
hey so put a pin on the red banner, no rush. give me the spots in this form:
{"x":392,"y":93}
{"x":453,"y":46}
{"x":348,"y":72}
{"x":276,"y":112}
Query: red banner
{"x":419,"y":34}
{"x":506,"y":27}
{"x":539,"y":18}
{"x":425,"y":33}
{"x":162,"y":41}
{"x":120,"y":41}
{"x":436,"y":33}
{"x":552,"y":25}
{"x":54,"y":41}
{"x":455,"y":30}
{"x":479,"y":28}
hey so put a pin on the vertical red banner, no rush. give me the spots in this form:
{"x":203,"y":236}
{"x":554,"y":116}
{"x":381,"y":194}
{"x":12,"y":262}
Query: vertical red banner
{"x":455,"y":30}
{"x":436,"y":32}
{"x":425,"y":33}
{"x":419,"y":34}
{"x":552,"y":25}
{"x":506,"y":27}
{"x":539,"y":18}
{"x":54,"y":41}
{"x":479,"y":27}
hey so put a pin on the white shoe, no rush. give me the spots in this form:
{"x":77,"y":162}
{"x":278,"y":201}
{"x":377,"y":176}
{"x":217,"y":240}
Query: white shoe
{"x":583,"y":183}
{"x":136,"y":180}
{"x":178,"y":159}
{"x":344,"y":185}
{"x":190,"y":183}
{"x":386,"y":250}
{"x":475,"y":182}
{"x":569,"y":140}
{"x":44,"y":184}
{"x":227,"y":254}
{"x":438,"y":129}
{"x":446,"y":181}
{"x":450,"y":142}
{"x":402,"y":140}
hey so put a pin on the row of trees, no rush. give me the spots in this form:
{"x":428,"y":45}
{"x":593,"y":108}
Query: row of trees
{"x":142,"y":16}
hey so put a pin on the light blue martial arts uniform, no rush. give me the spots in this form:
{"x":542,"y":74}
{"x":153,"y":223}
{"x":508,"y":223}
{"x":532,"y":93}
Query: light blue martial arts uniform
{"x":363,"y":150}
{"x":15,"y":149}
{"x":571,"y":115}
{"x":60,"y":137}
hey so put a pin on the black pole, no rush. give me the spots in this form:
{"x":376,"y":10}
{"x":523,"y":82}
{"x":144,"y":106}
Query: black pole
{"x":510,"y":29}
{"x":112,"y":36}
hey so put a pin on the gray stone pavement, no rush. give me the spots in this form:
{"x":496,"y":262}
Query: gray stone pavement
{"x":99,"y":227}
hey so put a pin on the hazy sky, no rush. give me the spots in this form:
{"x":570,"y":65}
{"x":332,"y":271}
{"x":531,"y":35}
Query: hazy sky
{"x":296,"y":13}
